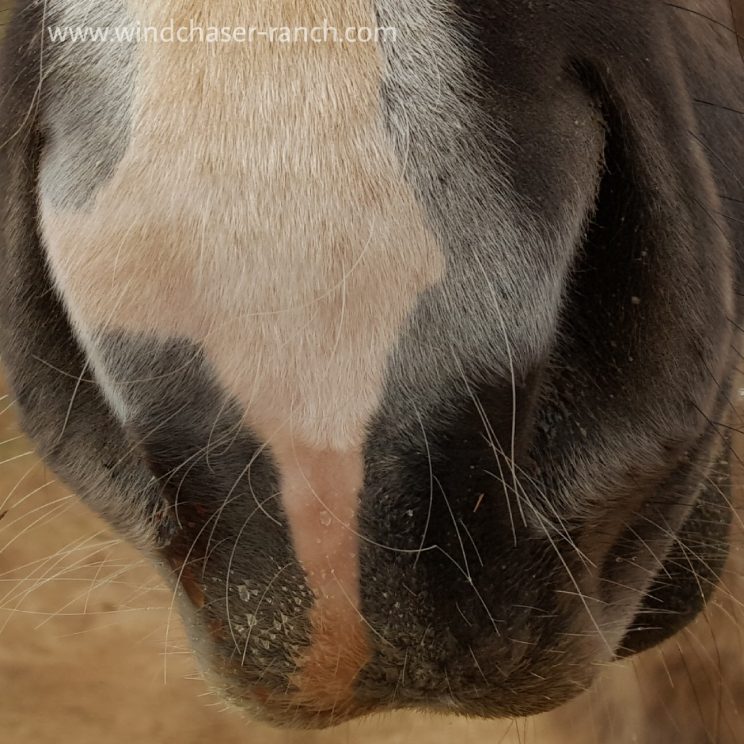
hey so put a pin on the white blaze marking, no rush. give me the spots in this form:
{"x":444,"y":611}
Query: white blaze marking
{"x":260,"y":211}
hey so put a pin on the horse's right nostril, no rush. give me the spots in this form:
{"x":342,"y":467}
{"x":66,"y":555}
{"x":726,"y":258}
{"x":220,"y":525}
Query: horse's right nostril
{"x":502,"y":413}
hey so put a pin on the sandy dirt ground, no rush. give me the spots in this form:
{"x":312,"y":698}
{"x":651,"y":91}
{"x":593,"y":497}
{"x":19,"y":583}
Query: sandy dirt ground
{"x":90,"y":651}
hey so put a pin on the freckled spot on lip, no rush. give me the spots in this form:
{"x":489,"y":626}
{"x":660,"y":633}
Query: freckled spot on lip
{"x":216,"y":628}
{"x":338,"y":651}
{"x":261,"y":694}
{"x":193,"y":588}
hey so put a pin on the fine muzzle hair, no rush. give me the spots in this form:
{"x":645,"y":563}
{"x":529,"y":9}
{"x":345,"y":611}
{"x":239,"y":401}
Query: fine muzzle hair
{"x":408,"y":360}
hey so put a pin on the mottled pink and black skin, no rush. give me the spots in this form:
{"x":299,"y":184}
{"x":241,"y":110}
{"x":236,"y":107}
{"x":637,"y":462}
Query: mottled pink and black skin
{"x":550,"y":426}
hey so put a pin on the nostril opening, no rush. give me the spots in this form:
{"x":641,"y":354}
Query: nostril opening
{"x":503,"y":414}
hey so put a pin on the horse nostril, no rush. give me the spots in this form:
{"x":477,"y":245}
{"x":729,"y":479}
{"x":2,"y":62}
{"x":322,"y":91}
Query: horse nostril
{"x":503,"y":413}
